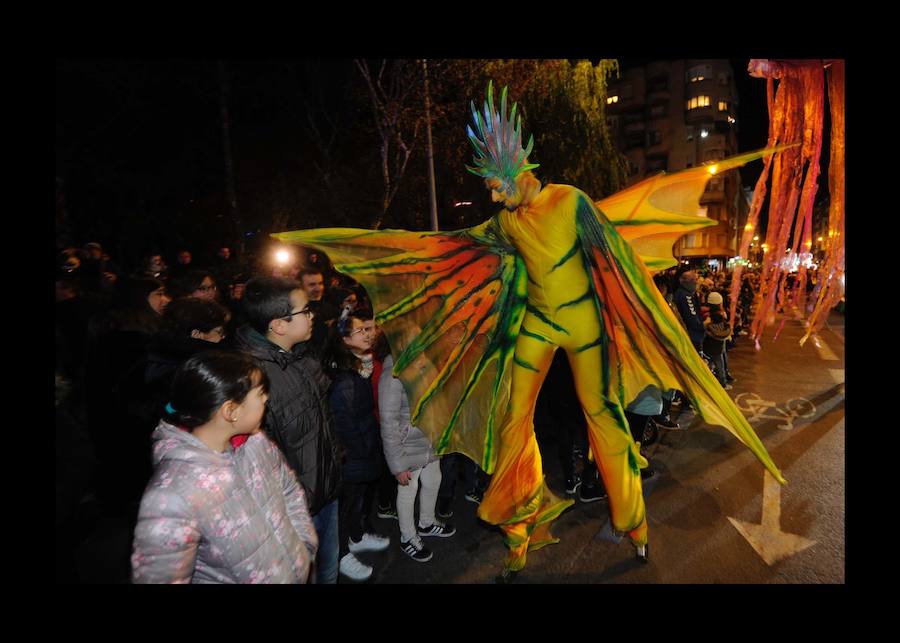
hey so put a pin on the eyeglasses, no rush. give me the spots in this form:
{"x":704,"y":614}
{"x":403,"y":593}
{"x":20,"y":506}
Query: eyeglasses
{"x":368,"y":330}
{"x":207,"y":288}
{"x":306,"y":311}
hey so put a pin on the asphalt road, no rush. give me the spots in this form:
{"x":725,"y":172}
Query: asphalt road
{"x":714,"y":515}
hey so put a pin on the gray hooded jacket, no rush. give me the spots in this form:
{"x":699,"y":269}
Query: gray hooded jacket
{"x":405,"y":446}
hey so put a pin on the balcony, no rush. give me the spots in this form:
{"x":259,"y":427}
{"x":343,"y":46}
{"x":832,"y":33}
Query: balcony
{"x":699,"y":114}
{"x":635,"y":126}
{"x":635,"y":140}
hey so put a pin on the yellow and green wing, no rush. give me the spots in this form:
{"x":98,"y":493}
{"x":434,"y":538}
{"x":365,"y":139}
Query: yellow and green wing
{"x":653,"y":214}
{"x":451,"y":304}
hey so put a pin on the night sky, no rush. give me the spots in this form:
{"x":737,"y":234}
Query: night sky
{"x":145,"y":137}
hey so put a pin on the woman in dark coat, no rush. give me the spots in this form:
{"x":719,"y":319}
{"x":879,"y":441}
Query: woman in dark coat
{"x":348,"y":360}
{"x":187,"y":327}
{"x":117,"y":342}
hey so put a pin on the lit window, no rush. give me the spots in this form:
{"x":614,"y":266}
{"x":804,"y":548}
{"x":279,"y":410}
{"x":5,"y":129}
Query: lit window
{"x":698,"y":101}
{"x":698,"y":73}
{"x":723,"y":106}
{"x":612,"y":99}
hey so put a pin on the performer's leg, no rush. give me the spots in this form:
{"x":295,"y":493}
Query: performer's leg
{"x":517,"y":499}
{"x":612,"y":446}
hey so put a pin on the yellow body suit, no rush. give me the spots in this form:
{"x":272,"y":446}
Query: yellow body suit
{"x":561,"y":312}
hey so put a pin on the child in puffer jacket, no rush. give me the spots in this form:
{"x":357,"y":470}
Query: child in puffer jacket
{"x":210,"y":513}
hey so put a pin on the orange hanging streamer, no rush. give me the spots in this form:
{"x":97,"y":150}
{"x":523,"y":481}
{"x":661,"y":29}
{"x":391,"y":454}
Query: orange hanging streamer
{"x":830,"y":287}
{"x":796,"y":113}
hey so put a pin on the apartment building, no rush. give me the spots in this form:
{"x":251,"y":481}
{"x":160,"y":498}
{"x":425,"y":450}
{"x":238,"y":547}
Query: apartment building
{"x":674,"y":114}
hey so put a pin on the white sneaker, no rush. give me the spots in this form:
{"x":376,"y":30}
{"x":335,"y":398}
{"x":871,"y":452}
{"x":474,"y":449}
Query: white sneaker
{"x":351,"y":567}
{"x":369,"y":542}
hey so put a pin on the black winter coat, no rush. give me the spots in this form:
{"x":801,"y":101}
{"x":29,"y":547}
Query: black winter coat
{"x":152,"y":377}
{"x":297,"y":416}
{"x":689,"y":309}
{"x":353,"y":407}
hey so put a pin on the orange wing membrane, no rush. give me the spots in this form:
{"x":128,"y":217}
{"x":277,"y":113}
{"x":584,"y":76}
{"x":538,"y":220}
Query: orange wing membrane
{"x":451,"y":304}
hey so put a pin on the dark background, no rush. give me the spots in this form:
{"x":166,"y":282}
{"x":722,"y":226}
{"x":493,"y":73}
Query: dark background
{"x":139,"y":148}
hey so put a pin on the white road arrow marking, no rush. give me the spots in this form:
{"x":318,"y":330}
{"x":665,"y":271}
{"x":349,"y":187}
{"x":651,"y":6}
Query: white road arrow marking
{"x":767,"y":539}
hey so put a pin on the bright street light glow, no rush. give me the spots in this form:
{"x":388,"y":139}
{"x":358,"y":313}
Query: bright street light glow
{"x":282,"y":256}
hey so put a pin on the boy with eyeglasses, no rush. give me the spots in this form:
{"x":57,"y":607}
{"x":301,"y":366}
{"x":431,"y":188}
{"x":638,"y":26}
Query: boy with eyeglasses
{"x":297,"y":417}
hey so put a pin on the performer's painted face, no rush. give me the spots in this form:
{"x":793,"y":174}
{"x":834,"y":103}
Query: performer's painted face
{"x":499,"y":195}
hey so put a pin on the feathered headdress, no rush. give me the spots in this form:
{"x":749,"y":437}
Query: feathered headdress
{"x":498,"y":144}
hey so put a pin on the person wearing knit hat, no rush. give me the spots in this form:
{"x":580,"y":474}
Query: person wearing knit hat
{"x":718,"y":331}
{"x":715,"y":299}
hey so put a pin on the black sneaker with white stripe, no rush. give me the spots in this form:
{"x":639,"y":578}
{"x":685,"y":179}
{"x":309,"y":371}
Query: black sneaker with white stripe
{"x":441,"y":530}
{"x":418,"y":552}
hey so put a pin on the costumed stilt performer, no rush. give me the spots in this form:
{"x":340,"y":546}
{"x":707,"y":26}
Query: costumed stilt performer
{"x":475,"y":316}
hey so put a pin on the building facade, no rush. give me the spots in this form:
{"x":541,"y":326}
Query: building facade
{"x":674,"y":114}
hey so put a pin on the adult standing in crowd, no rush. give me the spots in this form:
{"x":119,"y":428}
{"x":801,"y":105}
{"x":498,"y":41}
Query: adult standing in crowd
{"x":189,"y":326}
{"x":224,"y":267}
{"x":153,"y":267}
{"x":688,"y":307}
{"x":182,"y":263}
{"x":313,"y":281}
{"x":195,"y":283}
{"x":117,"y":340}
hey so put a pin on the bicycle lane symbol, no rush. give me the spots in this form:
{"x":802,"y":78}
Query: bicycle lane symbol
{"x":755,"y":408}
